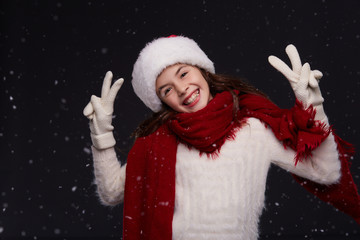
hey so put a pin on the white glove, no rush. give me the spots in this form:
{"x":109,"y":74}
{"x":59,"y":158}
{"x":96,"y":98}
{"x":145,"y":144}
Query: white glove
{"x":100,"y":110}
{"x":303,"y":80}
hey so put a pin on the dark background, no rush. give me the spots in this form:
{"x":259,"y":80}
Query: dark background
{"x":54,"y":55}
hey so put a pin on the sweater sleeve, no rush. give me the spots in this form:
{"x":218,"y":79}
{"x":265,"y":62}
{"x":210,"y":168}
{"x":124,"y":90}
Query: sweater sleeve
{"x":109,"y":176}
{"x":323,"y":166}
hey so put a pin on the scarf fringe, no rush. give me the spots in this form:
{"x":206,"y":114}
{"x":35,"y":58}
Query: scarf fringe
{"x":231,"y":136}
{"x":214,"y":153}
{"x":311,"y":133}
{"x":343,"y":195}
{"x":305,"y":150}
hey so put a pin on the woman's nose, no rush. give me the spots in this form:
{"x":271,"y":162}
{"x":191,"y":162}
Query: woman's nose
{"x":181,"y":89}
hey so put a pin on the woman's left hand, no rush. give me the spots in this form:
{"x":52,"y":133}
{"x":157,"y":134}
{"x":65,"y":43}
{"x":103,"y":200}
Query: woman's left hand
{"x":303,"y":80}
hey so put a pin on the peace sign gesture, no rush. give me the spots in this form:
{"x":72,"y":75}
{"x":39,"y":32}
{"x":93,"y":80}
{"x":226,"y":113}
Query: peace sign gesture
{"x":302,"y":79}
{"x":100,"y":110}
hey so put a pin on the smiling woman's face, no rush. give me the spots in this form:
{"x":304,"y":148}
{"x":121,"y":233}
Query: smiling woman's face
{"x":183,"y":88}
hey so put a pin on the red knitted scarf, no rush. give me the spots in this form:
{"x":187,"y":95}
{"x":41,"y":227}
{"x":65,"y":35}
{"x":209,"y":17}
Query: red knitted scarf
{"x":150,"y":174}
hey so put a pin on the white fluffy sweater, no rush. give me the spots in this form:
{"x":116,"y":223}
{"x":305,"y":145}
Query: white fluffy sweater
{"x":223,"y":198}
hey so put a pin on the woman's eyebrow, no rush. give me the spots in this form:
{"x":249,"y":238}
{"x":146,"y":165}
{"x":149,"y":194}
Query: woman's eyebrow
{"x":161,"y":87}
{"x":179,"y":69}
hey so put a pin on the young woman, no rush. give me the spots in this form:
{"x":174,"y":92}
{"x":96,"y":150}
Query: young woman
{"x":198,"y":167}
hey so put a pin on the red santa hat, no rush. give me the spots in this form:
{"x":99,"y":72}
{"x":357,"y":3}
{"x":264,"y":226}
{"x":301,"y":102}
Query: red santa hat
{"x":158,"y":55}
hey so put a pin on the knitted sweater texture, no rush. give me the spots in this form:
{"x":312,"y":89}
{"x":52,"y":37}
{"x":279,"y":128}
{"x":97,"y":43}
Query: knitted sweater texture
{"x":223,"y":198}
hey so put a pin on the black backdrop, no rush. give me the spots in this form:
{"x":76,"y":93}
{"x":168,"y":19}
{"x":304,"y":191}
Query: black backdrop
{"x":54,"y":55}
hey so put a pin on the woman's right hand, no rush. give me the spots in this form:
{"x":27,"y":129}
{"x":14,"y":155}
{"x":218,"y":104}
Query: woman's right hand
{"x":100,"y":110}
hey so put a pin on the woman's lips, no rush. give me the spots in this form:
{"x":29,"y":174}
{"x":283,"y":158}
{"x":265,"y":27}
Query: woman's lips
{"x":191,"y":99}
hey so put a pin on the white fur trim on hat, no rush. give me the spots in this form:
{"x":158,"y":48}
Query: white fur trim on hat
{"x":159,"y":54}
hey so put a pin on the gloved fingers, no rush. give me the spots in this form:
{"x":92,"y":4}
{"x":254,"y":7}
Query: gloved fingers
{"x":88,"y":110}
{"x":114,"y":90}
{"x":304,"y":78}
{"x":106,"y":84}
{"x":96,"y":103}
{"x":94,"y":126}
{"x":100,"y":126}
{"x":282,"y":67}
{"x":294,"y":57}
{"x":317,"y":74}
{"x":91,"y":116}
{"x":313,"y":82}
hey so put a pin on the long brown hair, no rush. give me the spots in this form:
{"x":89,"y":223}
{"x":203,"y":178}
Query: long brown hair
{"x":217,"y":84}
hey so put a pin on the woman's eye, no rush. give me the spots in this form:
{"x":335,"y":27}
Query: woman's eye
{"x":166,"y":91}
{"x":183,"y":75}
